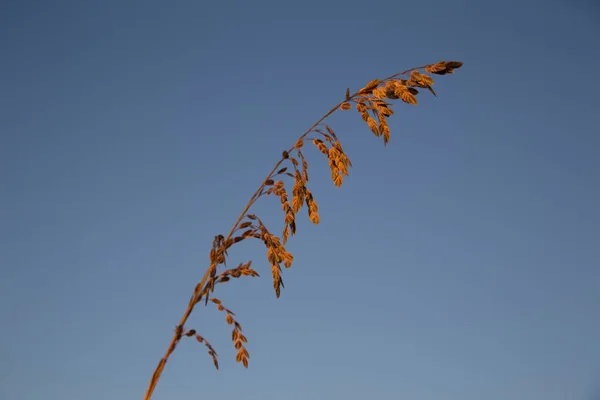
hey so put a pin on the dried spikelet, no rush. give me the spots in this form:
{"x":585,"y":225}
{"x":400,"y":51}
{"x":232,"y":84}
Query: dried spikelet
{"x":314,"y":218}
{"x":289,"y":220}
{"x":297,"y":202}
{"x":333,"y":164}
{"x":343,"y":157}
{"x":244,"y":225}
{"x":370,"y":86}
{"x":386,"y":111}
{"x":426,"y":80}
{"x":336,"y":165}
{"x":333,"y":153}
{"x":288,"y":258}
{"x":437,"y":67}
{"x":404,"y":93}
{"x":345,"y":106}
{"x":272,"y":256}
{"x":298,"y":193}
{"x":285,"y":235}
{"x":373,"y":126}
{"x":408,"y":97}
{"x":248,"y":233}
{"x":289,"y":215}
{"x":342,"y":164}
{"x":365,"y":116}
{"x":379,"y":93}
{"x":242,"y":356}
{"x":279,"y":249}
{"x":385,"y":133}
{"x":313,"y":209}
{"x":320,"y":145}
{"x":285,"y":204}
{"x":211,"y":350}
{"x":336,"y":178}
{"x":415,"y":75}
{"x":277,"y":281}
{"x":299,"y":144}
{"x":383,"y":108}
{"x":453,"y":64}
{"x":443,"y":67}
{"x":384,"y":130}
{"x":250,"y":272}
{"x":397,"y":87}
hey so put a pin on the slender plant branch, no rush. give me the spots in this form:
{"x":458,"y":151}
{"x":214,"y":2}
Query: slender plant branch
{"x":362,"y":96}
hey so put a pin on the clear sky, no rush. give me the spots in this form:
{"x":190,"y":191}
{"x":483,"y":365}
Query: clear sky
{"x":458,"y":263}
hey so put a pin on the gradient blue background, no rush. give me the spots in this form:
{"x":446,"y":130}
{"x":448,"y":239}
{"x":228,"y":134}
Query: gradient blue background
{"x":460,"y":262}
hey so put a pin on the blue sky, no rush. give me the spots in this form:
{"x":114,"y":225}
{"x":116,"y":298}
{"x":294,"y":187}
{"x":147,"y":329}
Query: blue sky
{"x":460,"y":262}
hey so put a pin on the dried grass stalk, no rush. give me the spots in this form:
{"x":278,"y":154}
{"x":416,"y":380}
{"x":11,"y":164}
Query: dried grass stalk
{"x":371,"y":102}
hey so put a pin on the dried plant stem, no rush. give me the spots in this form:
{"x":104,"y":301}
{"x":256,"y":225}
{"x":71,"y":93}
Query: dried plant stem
{"x":179,"y":330}
{"x":202,"y":288}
